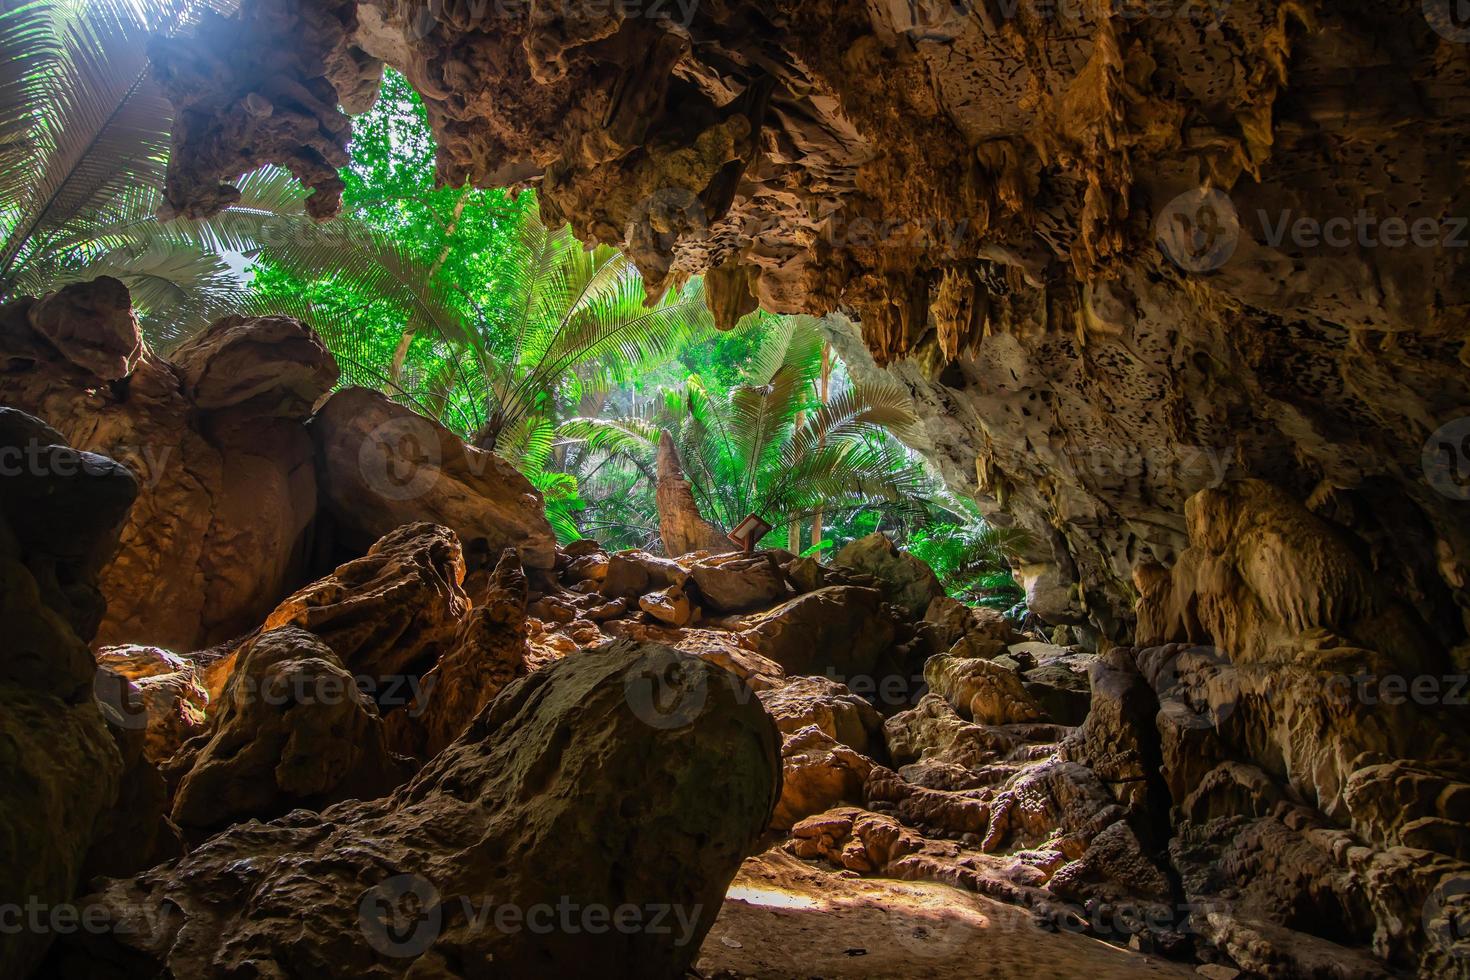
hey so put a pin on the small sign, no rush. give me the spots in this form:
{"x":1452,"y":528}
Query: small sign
{"x":748,"y":532}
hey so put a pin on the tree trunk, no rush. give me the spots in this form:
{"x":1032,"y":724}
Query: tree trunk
{"x":822,"y":391}
{"x":400,"y":353}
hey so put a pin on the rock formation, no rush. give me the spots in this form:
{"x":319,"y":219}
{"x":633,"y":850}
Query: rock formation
{"x":524,"y":816}
{"x":682,"y":528}
{"x":383,"y":466}
{"x":1172,"y":289}
{"x":227,"y":485}
{"x":1011,"y":204}
{"x":61,"y":770}
{"x":229,"y":473}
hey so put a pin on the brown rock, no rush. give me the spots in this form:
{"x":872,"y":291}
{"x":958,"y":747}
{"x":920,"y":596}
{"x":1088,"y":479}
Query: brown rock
{"x":933,"y":731}
{"x":723,"y":649}
{"x":986,"y":631}
{"x":382,"y":466}
{"x":839,"y":631}
{"x":634,"y":573}
{"x":681,"y":526}
{"x":672,"y":606}
{"x":292,"y":730}
{"x":825,"y":704}
{"x":226,"y":497}
{"x":392,"y":613}
{"x":489,"y":652}
{"x":734,"y":584}
{"x":549,"y":794}
{"x":818,"y":772}
{"x":92,"y":325}
{"x":805,"y":574}
{"x":61,"y":771}
{"x":274,"y":365}
{"x":980,"y":690}
{"x":907,"y":582}
{"x":153,"y":690}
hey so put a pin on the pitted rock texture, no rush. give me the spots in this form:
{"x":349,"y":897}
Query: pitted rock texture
{"x":520,"y":810}
{"x":395,"y":611}
{"x":293,"y":729}
{"x":261,"y":88}
{"x":488,"y":653}
{"x":990,"y":193}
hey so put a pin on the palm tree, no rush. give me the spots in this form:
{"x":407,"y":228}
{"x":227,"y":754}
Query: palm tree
{"x":569,"y":320}
{"x":84,"y":136}
{"x":971,"y":556}
{"x":771,"y":447}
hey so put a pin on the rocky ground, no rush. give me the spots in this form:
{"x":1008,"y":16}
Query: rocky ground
{"x":440,"y":715}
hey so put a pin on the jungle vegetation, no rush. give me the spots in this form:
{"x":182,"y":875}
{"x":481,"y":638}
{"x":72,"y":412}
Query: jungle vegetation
{"x":460,"y":303}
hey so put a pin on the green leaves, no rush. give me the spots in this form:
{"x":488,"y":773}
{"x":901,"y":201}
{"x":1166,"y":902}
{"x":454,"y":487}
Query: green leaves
{"x":769,"y":446}
{"x":84,"y":135}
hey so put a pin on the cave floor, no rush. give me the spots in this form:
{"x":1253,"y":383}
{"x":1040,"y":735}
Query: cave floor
{"x":783,"y":918}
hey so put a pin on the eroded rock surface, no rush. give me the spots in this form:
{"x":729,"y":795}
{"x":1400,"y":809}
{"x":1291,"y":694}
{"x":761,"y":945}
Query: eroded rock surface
{"x":61,"y":770}
{"x":522,"y":809}
{"x":292,"y":729}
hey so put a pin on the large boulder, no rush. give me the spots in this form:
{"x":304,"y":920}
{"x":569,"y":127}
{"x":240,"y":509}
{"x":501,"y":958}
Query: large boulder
{"x":293,"y":729}
{"x":984,"y":692}
{"x":91,"y":324}
{"x":907,"y":581}
{"x":273,"y":364}
{"x":801,"y":702}
{"x":60,"y":769}
{"x":634,"y":573}
{"x":382,"y":466}
{"x":840,"y":631}
{"x":817,"y":773}
{"x":986,"y":630}
{"x":735,"y":583}
{"x":571,"y":791}
{"x":393,"y":612}
{"x":227,"y":487}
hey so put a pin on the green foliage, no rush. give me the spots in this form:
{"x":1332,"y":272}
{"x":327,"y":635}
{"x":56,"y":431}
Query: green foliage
{"x":769,"y":446}
{"x":84,"y":135}
{"x":460,"y":303}
{"x":972,"y":560}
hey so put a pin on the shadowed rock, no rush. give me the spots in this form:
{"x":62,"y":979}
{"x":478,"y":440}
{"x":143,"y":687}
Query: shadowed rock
{"x":572,"y":788}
